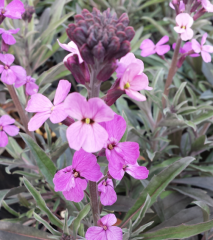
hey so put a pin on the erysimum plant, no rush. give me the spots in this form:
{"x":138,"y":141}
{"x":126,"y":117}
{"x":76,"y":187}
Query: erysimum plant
{"x":114,"y":172}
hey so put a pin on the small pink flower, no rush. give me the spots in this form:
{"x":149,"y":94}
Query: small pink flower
{"x":203,"y":49}
{"x":124,"y":63}
{"x":13,"y":10}
{"x":87,"y":132}
{"x":9,"y":74}
{"x":6,"y":127}
{"x":207,"y":5}
{"x":186,"y":49}
{"x":106,"y":230}
{"x":148,"y":47}
{"x":45,"y":109}
{"x":72,"y":180}
{"x":71,"y":47}
{"x":119,"y":152}
{"x":106,"y":191}
{"x":184,"y":22}
{"x":7,"y":35}
{"x":133,"y":81}
{"x":29,"y":82}
{"x":181,"y":6}
{"x":136,"y":171}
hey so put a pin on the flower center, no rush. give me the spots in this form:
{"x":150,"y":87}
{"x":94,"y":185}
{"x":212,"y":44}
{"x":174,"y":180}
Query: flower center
{"x":76,"y":174}
{"x":52,"y":108}
{"x":110,"y":146}
{"x":124,"y":167}
{"x":87,"y":121}
{"x":127,"y":85}
{"x":3,"y":11}
{"x":1,"y":128}
{"x":105,"y":228}
{"x":183,"y":27}
{"x":104,"y":183}
{"x":6,"y":67}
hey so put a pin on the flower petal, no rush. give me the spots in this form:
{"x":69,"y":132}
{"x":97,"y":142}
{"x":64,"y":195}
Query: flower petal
{"x":161,"y":50}
{"x":8,"y":38}
{"x":108,"y":197}
{"x":86,"y":164}
{"x":58,"y":114}
{"x":196,"y":46}
{"x":3,"y":139}
{"x":116,"y":127}
{"x":187,"y":35}
{"x":114,"y":158}
{"x":39,"y":103}
{"x":135,"y":95}
{"x":14,"y":31}
{"x":109,"y":220}
{"x":116,"y":173}
{"x":203,"y":40}
{"x":163,"y":40}
{"x":96,"y":233}
{"x":37,"y":120}
{"x":14,"y":9}
{"x":76,"y":134}
{"x":62,"y":91}
{"x":2,"y":3}
{"x":20,"y":82}
{"x":147,"y":47}
{"x":76,"y":106}
{"x":99,"y":111}
{"x":7,"y":59}
{"x":137,"y":171}
{"x":8,"y":76}
{"x":139,"y":82}
{"x":19,"y":71}
{"x":179,"y":30}
{"x":129,"y":151}
{"x":6,"y":120}
{"x":31,"y":88}
{"x":206,"y":56}
{"x":11,"y":130}
{"x":114,"y":233}
{"x":208,"y":48}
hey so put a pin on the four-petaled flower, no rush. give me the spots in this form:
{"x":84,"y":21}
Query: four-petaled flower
{"x":45,"y":109}
{"x":184,"y":22}
{"x":6,"y":127}
{"x":106,"y":191}
{"x":72,"y":180}
{"x":7,"y":35}
{"x":203,"y":49}
{"x":105,"y":229}
{"x":87,"y":132}
{"x":9,"y":74}
{"x":133,"y":80}
{"x":30,"y":86}
{"x":148,"y":47}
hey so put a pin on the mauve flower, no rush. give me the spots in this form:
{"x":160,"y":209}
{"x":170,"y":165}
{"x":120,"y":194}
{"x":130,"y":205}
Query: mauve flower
{"x":184,"y":22}
{"x":72,"y":180}
{"x":45,"y":109}
{"x":30,"y":86}
{"x":148,"y":47}
{"x":7,"y":35}
{"x":119,"y":152}
{"x":106,"y":191}
{"x":207,"y":5}
{"x":181,"y":6}
{"x":87,"y":132}
{"x":186,"y":49}
{"x":133,"y":81}
{"x":203,"y":49}
{"x":9,"y":74}
{"x":6,"y":127}
{"x":106,"y":230}
{"x":28,"y":14}
{"x":136,"y":171}
{"x":13,"y":10}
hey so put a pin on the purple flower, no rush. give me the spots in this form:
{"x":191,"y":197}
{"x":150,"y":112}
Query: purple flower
{"x":87,"y":132}
{"x":119,"y":152}
{"x":186,"y":49}
{"x":9,"y":74}
{"x":203,"y":49}
{"x":29,"y":82}
{"x":133,"y":81}
{"x":45,"y":109}
{"x":148,"y":47}
{"x":136,"y":171}
{"x":7,"y":35}
{"x":125,"y":62}
{"x":181,"y":6}
{"x":207,"y":5}
{"x":73,"y":48}
{"x":107,"y":193}
{"x":6,"y":127}
{"x":106,"y":230}
{"x":72,"y":180}
{"x":13,"y":10}
{"x":184,"y":22}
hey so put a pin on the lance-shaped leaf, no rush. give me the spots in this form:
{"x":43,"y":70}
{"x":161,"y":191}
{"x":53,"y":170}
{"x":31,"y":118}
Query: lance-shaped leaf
{"x":157,"y":185}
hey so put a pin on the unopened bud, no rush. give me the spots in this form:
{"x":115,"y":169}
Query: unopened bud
{"x":4,"y":46}
{"x":28,"y":14}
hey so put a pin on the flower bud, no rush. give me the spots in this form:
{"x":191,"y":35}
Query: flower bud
{"x":28,"y":14}
{"x":68,"y":121}
{"x":106,"y":72}
{"x":79,"y":71}
{"x":4,"y":46}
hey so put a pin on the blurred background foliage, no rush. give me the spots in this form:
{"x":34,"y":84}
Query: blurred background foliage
{"x":181,"y":194}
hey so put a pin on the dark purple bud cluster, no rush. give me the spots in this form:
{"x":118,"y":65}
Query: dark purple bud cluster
{"x":101,"y":36}
{"x":28,"y":14}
